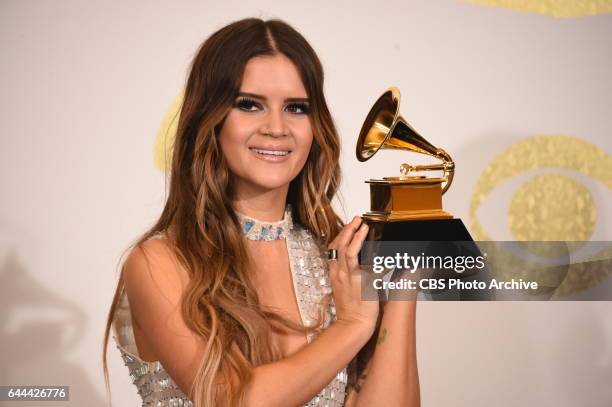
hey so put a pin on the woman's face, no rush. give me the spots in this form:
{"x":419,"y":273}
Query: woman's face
{"x":267,"y":135}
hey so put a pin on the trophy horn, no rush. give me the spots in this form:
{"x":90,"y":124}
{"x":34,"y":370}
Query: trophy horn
{"x":385,"y":128}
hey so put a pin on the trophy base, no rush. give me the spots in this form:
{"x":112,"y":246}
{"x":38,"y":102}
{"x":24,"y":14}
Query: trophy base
{"x":439,"y":238}
{"x":438,"y":230}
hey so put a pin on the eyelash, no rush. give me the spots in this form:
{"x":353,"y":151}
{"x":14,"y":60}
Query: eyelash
{"x":304,"y":107}
{"x":246,"y":103}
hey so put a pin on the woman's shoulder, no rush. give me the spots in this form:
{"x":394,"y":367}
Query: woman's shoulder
{"x":160,"y":243}
{"x":155,"y":259}
{"x":158,"y":247}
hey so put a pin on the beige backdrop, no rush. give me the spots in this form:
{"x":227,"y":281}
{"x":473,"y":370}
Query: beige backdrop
{"x":85,"y":87}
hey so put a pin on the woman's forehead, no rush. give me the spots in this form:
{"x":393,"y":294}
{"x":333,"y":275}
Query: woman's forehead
{"x":273,"y":76}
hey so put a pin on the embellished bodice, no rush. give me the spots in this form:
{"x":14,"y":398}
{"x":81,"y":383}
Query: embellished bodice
{"x":310,"y":282}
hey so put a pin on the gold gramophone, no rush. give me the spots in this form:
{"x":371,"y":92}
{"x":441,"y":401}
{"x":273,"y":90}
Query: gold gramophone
{"x":410,"y":197}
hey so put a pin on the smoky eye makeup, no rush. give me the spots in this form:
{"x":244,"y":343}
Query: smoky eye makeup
{"x":299,"y":107}
{"x":247,"y":104}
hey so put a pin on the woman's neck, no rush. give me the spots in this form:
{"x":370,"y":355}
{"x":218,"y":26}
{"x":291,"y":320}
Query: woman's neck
{"x":267,"y":205}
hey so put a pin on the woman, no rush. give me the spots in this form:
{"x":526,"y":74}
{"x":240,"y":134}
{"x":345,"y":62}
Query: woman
{"x":229,"y":298}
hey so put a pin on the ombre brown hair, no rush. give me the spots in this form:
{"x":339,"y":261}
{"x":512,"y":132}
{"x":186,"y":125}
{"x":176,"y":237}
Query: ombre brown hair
{"x":220,"y":304}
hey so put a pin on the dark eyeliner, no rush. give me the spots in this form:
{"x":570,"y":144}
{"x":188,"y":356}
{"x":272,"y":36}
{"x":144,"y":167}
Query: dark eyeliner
{"x":245,"y":103}
{"x":304,"y":107}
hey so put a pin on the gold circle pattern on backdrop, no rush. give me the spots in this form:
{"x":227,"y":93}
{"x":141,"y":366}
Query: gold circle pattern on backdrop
{"x":552,"y":207}
{"x":164,"y":141}
{"x":553,"y":8}
{"x":537,"y":152}
{"x":549,"y":206}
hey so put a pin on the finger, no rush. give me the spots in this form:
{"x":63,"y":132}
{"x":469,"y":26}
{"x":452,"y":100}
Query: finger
{"x":337,"y":267}
{"x":346,"y":234}
{"x":352,"y":251}
{"x":339,"y":274}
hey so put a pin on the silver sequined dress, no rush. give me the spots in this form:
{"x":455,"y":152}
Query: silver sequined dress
{"x":310,"y":282}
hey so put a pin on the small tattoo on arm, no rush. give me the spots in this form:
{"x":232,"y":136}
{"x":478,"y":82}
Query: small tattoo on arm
{"x":382,"y":336}
{"x":357,"y":384}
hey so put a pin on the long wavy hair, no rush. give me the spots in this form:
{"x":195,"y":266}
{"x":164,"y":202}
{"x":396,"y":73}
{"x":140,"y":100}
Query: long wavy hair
{"x":220,"y":303}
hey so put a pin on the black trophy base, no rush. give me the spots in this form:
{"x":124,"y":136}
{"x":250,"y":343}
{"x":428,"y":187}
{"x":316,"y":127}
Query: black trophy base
{"x":434,"y":237}
{"x":438,"y":230}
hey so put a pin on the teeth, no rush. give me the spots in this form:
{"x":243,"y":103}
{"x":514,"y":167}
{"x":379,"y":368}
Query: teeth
{"x":270,"y":152}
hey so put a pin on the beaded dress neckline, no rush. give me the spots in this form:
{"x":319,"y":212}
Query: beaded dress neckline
{"x":255,"y":229}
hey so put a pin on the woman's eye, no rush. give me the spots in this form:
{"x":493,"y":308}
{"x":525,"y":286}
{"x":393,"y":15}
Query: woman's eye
{"x":299,"y":108}
{"x":248,"y":105}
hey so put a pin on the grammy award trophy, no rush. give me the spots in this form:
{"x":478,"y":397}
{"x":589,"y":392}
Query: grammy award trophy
{"x":408,"y":206}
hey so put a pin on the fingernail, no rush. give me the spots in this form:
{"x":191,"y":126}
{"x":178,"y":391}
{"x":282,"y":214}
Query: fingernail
{"x":363,"y":227}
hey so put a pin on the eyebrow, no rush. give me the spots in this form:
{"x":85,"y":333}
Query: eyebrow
{"x":262,"y":97}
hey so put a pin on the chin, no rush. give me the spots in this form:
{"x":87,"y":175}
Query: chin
{"x":265,"y":181}
{"x":269,"y":183}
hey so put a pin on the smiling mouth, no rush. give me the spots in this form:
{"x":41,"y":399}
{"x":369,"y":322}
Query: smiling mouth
{"x":270,"y":152}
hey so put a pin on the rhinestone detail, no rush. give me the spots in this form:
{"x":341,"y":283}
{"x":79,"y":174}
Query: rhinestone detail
{"x":254,"y":229}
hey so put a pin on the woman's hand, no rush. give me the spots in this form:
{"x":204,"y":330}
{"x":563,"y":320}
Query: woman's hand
{"x":345,"y":277}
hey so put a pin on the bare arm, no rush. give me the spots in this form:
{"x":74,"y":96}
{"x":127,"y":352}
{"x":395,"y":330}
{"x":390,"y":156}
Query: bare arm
{"x":154,"y":289}
{"x":296,"y":379}
{"x":391,"y":376}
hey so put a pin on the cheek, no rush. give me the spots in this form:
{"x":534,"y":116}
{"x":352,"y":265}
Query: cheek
{"x":232,"y":139}
{"x":230,"y":135}
{"x":304,"y":140}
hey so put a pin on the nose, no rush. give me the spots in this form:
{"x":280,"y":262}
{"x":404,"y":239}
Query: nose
{"x":274,"y":124}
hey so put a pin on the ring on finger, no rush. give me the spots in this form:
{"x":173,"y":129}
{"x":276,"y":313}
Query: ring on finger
{"x":332,"y":255}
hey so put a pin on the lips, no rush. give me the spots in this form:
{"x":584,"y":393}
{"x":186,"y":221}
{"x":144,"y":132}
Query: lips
{"x":271,"y":151}
{"x":271,"y":154}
